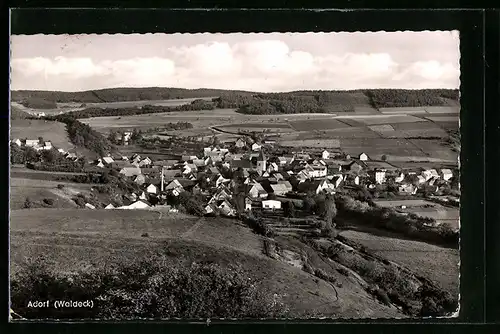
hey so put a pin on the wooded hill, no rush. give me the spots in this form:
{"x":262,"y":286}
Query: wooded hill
{"x":252,"y":103}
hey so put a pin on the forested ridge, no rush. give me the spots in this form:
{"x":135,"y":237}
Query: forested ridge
{"x":247,"y":102}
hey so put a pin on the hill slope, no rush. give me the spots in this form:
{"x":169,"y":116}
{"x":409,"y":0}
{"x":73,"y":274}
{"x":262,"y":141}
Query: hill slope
{"x":77,"y":238}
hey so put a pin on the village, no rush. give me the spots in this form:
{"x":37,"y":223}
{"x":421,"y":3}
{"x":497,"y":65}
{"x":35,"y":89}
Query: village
{"x":242,"y":176}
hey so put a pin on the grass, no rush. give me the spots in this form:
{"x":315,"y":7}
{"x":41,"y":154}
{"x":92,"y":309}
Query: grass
{"x":37,"y":190}
{"x":436,"y":263}
{"x":50,"y":131}
{"x":79,"y":238}
{"x":318,"y":124}
{"x":388,"y":119}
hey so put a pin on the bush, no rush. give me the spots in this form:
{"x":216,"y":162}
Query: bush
{"x":28,"y":203}
{"x":145,"y":235}
{"x":60,"y":186}
{"x":150,"y":288}
{"x":79,"y":201}
{"x":48,"y":201}
{"x":308,"y":269}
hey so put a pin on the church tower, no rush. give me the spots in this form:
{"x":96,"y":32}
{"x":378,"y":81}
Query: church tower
{"x":261,"y":163}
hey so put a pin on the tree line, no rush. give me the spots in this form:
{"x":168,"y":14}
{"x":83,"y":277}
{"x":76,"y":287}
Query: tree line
{"x":387,"y":98}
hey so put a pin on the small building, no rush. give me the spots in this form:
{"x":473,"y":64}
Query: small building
{"x":279,"y":189}
{"x":152,"y":189}
{"x":325,"y":154}
{"x":271,"y":204}
{"x":256,"y":190}
{"x":143,"y":196}
{"x":240,"y":143}
{"x":429,"y":174}
{"x":446,"y":173}
{"x":400,"y":178}
{"x":363,"y":157}
{"x":140,"y":179}
{"x":136,"y":205}
{"x":256,"y":147}
{"x":60,"y":150}
{"x":100,"y":163}
{"x":248,"y":204}
{"x":421,"y":179}
{"x":109,"y":206}
{"x":108,"y":160}
{"x":47,"y":145}
{"x":89,"y":206}
{"x":380,"y":176}
{"x":355,"y":167}
{"x":32,"y":142}
{"x":17,"y":142}
{"x":130,"y":171}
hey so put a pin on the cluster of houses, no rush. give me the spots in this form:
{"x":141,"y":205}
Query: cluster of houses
{"x":218,"y":175}
{"x":39,"y":145}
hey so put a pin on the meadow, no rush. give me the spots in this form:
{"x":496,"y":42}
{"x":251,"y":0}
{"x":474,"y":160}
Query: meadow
{"x":50,"y":131}
{"x":75,"y":239}
{"x":436,"y":263}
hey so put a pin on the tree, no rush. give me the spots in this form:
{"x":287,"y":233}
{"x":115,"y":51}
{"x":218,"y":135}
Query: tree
{"x":40,"y":140}
{"x":330,"y":209}
{"x":309,"y":205}
{"x":384,"y":157}
{"x":30,"y":154}
{"x":289,"y":209}
{"x":17,"y":155}
{"x":49,"y":156}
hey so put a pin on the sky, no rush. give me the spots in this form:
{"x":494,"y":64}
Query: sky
{"x":271,"y":62}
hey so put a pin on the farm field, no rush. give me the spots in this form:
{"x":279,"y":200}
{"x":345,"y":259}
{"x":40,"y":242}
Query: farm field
{"x":318,"y":124}
{"x":77,"y":238}
{"x":408,"y":203}
{"x":37,"y":190}
{"x":436,"y":263}
{"x":392,"y":119}
{"x":445,"y":119}
{"x":23,"y":172}
{"x":50,"y":131}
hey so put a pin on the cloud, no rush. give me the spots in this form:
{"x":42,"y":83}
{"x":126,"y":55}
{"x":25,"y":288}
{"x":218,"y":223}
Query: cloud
{"x":258,"y":65}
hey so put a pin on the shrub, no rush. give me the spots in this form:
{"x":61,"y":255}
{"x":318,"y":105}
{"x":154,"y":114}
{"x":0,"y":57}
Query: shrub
{"x":150,"y":288}
{"x":48,"y":201}
{"x":79,"y":201}
{"x":28,"y":203}
{"x":60,"y":186}
{"x":308,"y":269}
{"x":146,"y":235}
{"x":343,"y":271}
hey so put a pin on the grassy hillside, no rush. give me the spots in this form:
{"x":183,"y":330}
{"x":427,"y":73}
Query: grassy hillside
{"x":76,"y":239}
{"x":16,"y":113}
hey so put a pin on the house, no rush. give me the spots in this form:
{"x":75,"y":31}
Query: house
{"x":354,"y":167}
{"x":60,"y":150}
{"x":302,"y":156}
{"x":429,"y":174}
{"x":100,"y":163}
{"x":325,"y":154}
{"x":279,"y":189}
{"x":406,"y":189}
{"x":248,"y":204}
{"x":273,"y":167}
{"x":209,"y":209}
{"x":136,"y":205}
{"x":188,"y":157}
{"x":226,"y":208}
{"x":17,"y":142}
{"x":256,"y":147}
{"x":130,"y":171}
{"x":284,"y":160}
{"x":399,"y":178}
{"x":316,"y":170}
{"x":200,"y":162}
{"x":363,"y":157}
{"x":245,"y":164}
{"x":108,"y":160}
{"x":175,"y":184}
{"x":89,"y":206}
{"x":446,"y":173}
{"x":380,"y":176}
{"x":337,"y":180}
{"x":421,"y":179}
{"x":32,"y":142}
{"x":145,"y":162}
{"x":221,"y":180}
{"x":352,"y":179}
{"x":47,"y":145}
{"x":315,"y":186}
{"x":140,"y":179}
{"x":256,"y":190}
{"x":271,"y":204}
{"x":152,"y":189}
{"x":240,"y":143}
{"x":287,"y":185}
{"x":143,"y":196}
{"x":110,"y":206}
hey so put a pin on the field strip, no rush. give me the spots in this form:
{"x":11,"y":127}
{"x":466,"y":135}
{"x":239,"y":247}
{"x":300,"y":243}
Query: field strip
{"x":192,"y":229}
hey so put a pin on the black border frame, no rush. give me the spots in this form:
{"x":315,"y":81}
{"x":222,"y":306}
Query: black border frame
{"x":471,"y":24}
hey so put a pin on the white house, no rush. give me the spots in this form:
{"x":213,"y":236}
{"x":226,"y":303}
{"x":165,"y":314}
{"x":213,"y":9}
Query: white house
{"x":143,"y":196}
{"x":325,"y":154}
{"x":60,"y":150}
{"x":446,"y":173}
{"x":256,"y":147}
{"x":108,"y":160}
{"x":256,"y":190}
{"x":363,"y":157}
{"x":400,"y":178}
{"x":17,"y":142}
{"x":32,"y":142}
{"x":110,"y":206}
{"x":248,"y":204}
{"x":175,"y":184}
{"x":209,"y":209}
{"x":100,"y":164}
{"x":135,"y":205}
{"x":421,"y":179}
{"x":273,"y":167}
{"x":429,"y":174}
{"x":271,"y":204}
{"x":240,"y":143}
{"x":152,"y":189}
{"x":89,"y":206}
{"x":380,"y":176}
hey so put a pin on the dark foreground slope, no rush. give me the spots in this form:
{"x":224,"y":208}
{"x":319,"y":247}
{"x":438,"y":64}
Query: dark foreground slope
{"x":72,"y":240}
